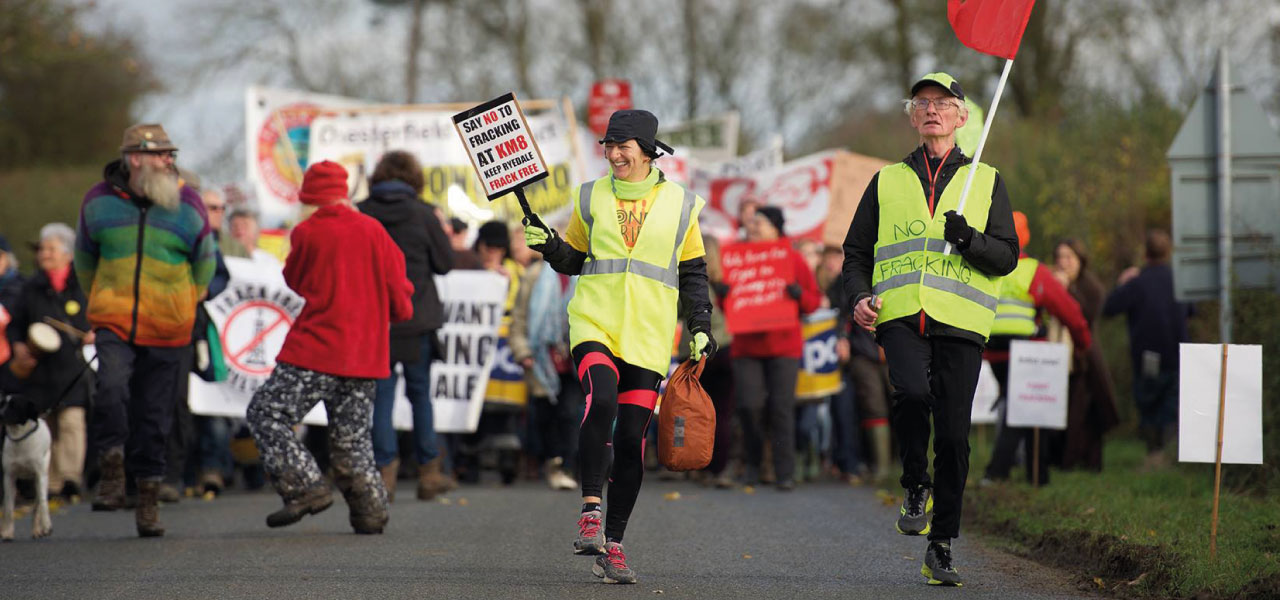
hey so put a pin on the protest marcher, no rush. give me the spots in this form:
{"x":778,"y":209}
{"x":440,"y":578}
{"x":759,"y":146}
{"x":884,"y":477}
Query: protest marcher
{"x":243,"y":223}
{"x":925,"y":278}
{"x":10,"y":278}
{"x":145,"y":254}
{"x":717,"y":376}
{"x":766,"y":364}
{"x":1157,"y":324}
{"x":538,"y":334}
{"x":464,"y":257}
{"x":846,"y":453}
{"x":210,"y":457}
{"x":1091,"y":408}
{"x":634,"y":241}
{"x":1024,"y":294}
{"x":60,"y":382}
{"x":395,"y":200}
{"x":352,"y":277}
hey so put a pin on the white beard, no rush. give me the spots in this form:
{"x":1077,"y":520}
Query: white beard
{"x":159,"y":185}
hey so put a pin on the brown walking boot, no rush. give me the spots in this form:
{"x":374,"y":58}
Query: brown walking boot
{"x":310,"y":503}
{"x":389,"y":473}
{"x":111,"y":486}
{"x":431,"y":482}
{"x":147,"y":515}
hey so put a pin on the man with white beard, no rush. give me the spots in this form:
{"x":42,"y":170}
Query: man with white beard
{"x":145,"y":255}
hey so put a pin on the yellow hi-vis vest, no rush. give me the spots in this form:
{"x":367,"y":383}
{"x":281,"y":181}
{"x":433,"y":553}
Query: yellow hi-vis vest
{"x":910,"y":272}
{"x":627,"y":299}
{"x":1016,"y":310}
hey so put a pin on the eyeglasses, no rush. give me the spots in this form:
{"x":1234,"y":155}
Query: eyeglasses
{"x":215,"y":208}
{"x":169,"y":154}
{"x":939,"y":104}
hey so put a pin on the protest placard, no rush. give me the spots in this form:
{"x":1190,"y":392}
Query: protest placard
{"x":801,"y":188}
{"x":501,"y":145}
{"x":819,"y":374}
{"x":1199,"y":399}
{"x":607,"y":97}
{"x":757,"y":274}
{"x":254,"y":313}
{"x":1037,"y":393}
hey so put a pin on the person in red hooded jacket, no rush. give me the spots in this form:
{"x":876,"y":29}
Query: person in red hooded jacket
{"x":766,"y":364}
{"x":352,"y":276}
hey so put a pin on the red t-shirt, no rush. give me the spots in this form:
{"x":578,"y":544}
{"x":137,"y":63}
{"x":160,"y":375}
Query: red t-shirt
{"x":352,"y":276}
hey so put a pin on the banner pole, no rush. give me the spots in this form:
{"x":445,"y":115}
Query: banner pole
{"x":1035,"y":457}
{"x":1217,"y":459}
{"x":982,"y":142}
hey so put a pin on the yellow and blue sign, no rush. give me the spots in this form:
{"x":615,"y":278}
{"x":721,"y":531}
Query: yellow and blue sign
{"x":819,"y":365}
{"x":506,"y":378}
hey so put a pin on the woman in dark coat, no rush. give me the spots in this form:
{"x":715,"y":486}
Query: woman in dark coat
{"x":1091,"y":410}
{"x":60,"y":382}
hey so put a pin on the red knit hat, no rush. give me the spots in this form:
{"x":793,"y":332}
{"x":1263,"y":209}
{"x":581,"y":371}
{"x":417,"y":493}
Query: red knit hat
{"x":323,"y":184}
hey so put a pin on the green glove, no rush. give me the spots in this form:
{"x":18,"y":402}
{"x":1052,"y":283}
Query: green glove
{"x":703,"y":345}
{"x":534,"y":235}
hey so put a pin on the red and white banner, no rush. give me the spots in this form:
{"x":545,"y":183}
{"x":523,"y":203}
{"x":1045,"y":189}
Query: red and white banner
{"x":757,"y":274}
{"x":801,"y":188}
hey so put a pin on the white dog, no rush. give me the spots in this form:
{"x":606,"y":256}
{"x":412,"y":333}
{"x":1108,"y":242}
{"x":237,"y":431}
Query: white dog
{"x":26,"y":453}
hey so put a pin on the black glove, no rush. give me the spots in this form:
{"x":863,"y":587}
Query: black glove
{"x":793,"y":290}
{"x":957,"y":230}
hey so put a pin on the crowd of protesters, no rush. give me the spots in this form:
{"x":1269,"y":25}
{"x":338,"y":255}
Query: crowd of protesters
{"x":149,"y":245}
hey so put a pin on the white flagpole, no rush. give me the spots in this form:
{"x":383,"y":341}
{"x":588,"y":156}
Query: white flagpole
{"x":977,"y":154}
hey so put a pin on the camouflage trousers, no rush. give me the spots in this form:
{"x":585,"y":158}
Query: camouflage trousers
{"x":281,"y":403}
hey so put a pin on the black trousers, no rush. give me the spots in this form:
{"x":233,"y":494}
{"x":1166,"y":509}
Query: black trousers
{"x":933,"y":377}
{"x":1007,"y":440}
{"x":620,"y":398}
{"x":137,"y":392}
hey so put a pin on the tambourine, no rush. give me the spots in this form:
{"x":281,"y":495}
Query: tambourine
{"x":43,"y":339}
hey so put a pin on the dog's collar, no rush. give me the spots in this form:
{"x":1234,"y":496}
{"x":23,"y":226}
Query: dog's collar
{"x":25,"y":435}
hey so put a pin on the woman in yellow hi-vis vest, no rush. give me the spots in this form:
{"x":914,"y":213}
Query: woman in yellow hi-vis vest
{"x":634,"y":242}
{"x":931,"y":309}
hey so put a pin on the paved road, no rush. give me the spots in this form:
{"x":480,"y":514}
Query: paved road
{"x":821,"y":541}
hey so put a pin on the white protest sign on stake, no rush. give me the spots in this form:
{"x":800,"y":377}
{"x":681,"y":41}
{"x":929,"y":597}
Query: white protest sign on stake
{"x":501,"y":146}
{"x":1198,"y":400}
{"x":1037,"y":393}
{"x":985,"y":396}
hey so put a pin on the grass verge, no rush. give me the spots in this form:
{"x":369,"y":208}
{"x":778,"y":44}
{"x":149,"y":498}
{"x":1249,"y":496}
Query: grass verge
{"x":1135,"y":533}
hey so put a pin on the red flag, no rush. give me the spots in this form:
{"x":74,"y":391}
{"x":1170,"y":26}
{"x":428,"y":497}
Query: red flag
{"x":990,"y":26}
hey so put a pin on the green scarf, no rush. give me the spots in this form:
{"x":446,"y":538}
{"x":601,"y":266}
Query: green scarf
{"x":634,"y":190}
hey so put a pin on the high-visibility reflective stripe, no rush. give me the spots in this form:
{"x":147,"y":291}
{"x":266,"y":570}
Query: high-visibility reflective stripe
{"x":912,"y":245}
{"x":1015,"y":318}
{"x":584,"y":209}
{"x":1018,"y":303}
{"x":897,"y":281}
{"x":669,"y":276}
{"x":963,"y":290}
{"x":936,"y":282}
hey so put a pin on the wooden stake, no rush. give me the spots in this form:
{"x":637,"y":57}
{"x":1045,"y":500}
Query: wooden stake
{"x":1217,"y":459}
{"x":1035,"y":457}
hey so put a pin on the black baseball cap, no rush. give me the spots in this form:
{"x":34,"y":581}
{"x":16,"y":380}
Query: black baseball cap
{"x":638,"y":125}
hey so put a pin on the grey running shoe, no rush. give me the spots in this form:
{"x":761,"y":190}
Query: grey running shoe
{"x":612,"y":567}
{"x":937,"y":565}
{"x":590,"y":537}
{"x":916,"y":506}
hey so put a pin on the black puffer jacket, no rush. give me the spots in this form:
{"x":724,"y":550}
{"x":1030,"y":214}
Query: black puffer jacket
{"x":55,"y":373}
{"x":413,"y":225}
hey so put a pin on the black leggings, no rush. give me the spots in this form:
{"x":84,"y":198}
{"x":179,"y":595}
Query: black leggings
{"x":626,"y":393}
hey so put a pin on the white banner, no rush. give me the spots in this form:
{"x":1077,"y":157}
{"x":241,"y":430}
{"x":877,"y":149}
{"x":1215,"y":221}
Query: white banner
{"x":277,"y":129}
{"x":1198,"y":390}
{"x":254,"y":313}
{"x":1037,"y":393}
{"x":358,"y":140}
